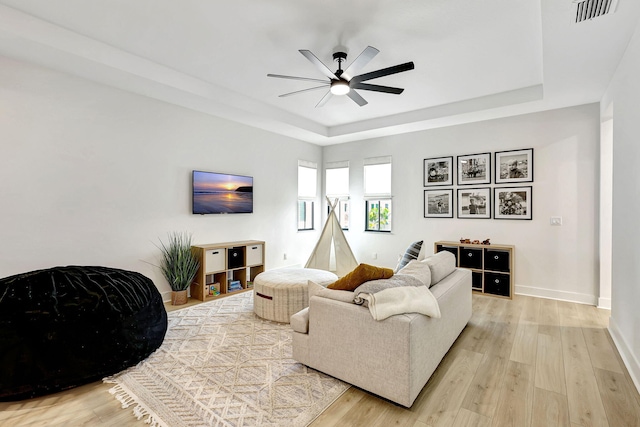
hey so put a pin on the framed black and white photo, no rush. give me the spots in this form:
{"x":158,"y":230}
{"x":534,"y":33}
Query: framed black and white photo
{"x":474,"y":203}
{"x":438,"y":203}
{"x":512,"y":202}
{"x":474,"y":169}
{"x":438,"y":171}
{"x":514,"y":166}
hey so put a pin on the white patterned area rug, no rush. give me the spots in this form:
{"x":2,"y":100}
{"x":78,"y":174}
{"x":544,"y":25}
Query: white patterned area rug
{"x":221,"y":365}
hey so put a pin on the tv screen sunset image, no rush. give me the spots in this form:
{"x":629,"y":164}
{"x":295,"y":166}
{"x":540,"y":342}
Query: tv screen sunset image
{"x":222,"y":193}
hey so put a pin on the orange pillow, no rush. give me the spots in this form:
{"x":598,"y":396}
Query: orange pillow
{"x":362,"y":273}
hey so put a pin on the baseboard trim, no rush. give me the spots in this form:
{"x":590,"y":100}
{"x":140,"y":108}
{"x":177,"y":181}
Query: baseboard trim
{"x":604,"y":303}
{"x":629,"y":359}
{"x":557,"y":295}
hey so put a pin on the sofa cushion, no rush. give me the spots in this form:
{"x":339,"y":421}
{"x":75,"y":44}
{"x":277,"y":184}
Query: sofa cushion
{"x":419,"y":270}
{"x":362,"y":273}
{"x":335,"y":294}
{"x":412,"y":252}
{"x":441,"y":265}
{"x":300,"y":321}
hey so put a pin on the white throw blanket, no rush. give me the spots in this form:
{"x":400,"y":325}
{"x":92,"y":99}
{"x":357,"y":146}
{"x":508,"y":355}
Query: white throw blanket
{"x":405,"y":299}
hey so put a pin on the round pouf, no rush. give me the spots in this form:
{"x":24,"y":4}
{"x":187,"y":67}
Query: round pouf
{"x":278,"y":294}
{"x":67,"y":326}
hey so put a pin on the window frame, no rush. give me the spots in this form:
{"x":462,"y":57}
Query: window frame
{"x":343,"y":198}
{"x":379,"y":197}
{"x":306,"y":200}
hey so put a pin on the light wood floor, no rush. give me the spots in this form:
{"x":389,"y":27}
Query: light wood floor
{"x":525,"y":362}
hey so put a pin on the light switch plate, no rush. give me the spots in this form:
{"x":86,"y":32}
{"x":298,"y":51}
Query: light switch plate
{"x":556,"y":220}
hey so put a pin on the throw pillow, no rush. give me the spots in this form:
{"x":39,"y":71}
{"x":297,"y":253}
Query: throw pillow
{"x":419,"y":270}
{"x":441,"y":265}
{"x":321,"y":291}
{"x":412,"y":252}
{"x":362,"y":273}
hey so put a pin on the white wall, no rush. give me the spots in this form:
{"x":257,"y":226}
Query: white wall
{"x":91,"y":175}
{"x":622,"y":98}
{"x":556,"y":262}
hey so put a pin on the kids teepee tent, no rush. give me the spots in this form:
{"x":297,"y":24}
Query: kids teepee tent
{"x":332,"y":242}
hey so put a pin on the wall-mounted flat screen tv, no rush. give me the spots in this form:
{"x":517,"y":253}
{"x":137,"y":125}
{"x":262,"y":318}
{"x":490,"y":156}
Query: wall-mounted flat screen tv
{"x":221,"y":193}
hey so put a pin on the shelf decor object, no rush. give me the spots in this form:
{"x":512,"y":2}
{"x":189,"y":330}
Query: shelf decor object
{"x":492,"y":266}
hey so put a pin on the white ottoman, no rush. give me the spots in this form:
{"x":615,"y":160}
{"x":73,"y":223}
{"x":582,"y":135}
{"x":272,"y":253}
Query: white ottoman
{"x":278,"y":294}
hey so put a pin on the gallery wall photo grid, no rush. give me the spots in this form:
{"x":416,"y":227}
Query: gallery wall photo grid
{"x":468,"y":197}
{"x":438,"y":203}
{"x":514,"y":166}
{"x":438,"y":171}
{"x":474,"y":203}
{"x":512,"y":202}
{"x":474,"y":169}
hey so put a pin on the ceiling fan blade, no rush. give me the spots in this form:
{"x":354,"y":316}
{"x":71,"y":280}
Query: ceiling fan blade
{"x":377,"y":88}
{"x":383,"y":72}
{"x":306,"y":79}
{"x":302,"y":91}
{"x":325,"y":98}
{"x":363,"y":59}
{"x":319,"y":65}
{"x":355,"y":96}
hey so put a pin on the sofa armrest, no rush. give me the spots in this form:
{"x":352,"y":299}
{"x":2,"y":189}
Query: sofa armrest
{"x":347,"y":343}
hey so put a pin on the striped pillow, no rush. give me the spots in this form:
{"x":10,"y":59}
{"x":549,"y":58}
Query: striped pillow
{"x":412,"y":253}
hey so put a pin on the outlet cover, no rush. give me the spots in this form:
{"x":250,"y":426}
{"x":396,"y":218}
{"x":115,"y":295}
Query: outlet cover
{"x":556,"y":220}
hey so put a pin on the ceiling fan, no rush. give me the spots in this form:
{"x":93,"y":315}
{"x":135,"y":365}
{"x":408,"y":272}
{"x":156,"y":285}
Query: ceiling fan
{"x":344,"y":82}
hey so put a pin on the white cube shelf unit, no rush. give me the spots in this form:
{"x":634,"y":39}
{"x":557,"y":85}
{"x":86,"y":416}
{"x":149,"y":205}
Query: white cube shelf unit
{"x":226,"y":268}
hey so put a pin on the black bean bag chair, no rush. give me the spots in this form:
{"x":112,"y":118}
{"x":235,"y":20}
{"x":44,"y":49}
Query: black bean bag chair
{"x":67,"y":326}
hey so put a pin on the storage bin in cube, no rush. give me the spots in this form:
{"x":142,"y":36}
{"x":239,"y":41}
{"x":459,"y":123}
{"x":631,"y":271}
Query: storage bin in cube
{"x":476,"y":280}
{"x":496,"y":260}
{"x":214,"y":260}
{"x":235,"y":257}
{"x":471,"y":258}
{"x":497,"y":284}
{"x":254,"y":255}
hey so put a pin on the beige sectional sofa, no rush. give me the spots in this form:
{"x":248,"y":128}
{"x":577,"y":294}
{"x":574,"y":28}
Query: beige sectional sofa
{"x":392,"y":358}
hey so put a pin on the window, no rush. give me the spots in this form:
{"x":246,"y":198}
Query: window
{"x":305,"y":214}
{"x":377,"y":193}
{"x":307,"y":184}
{"x":337,"y":186}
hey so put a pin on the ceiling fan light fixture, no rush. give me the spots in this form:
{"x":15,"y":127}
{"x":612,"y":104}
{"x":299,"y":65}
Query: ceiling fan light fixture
{"x":340,"y":87}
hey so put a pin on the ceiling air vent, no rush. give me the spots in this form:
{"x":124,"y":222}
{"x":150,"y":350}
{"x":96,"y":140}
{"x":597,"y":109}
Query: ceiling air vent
{"x":583,"y":10}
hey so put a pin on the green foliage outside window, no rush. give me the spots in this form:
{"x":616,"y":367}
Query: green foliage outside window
{"x":378,"y":219}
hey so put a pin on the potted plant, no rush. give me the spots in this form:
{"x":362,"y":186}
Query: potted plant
{"x":179,"y":265}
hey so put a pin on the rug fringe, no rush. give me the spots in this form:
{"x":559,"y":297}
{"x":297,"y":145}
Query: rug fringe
{"x":127,"y":399}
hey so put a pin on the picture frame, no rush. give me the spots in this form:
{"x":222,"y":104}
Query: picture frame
{"x":474,"y":169}
{"x":514,"y":166}
{"x":438,"y":203}
{"x":513,"y":202}
{"x":438,"y":171}
{"x":474,"y":203}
